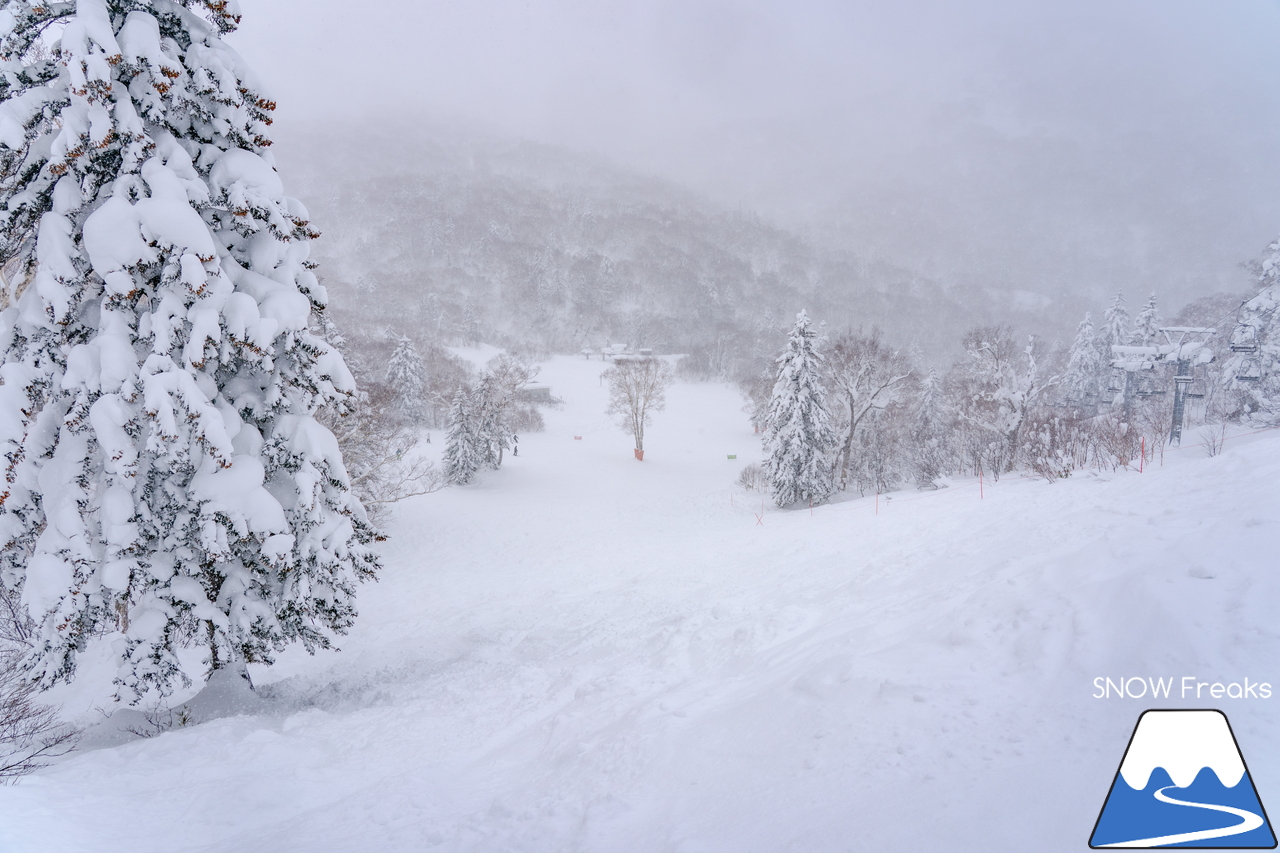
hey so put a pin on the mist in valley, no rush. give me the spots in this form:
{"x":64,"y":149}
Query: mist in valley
{"x":668,"y":174}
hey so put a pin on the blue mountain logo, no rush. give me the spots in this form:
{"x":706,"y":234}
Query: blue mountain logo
{"x":1183,"y":783}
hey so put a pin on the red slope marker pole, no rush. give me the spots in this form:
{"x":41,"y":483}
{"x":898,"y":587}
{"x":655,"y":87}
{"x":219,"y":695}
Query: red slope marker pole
{"x":1142,"y":454}
{"x":980,"y":495}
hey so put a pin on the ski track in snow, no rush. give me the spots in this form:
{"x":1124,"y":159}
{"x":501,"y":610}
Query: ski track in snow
{"x":1248,"y":822}
{"x":585,"y":653}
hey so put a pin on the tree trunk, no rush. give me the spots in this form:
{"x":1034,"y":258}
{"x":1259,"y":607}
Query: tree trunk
{"x":1012,"y":438}
{"x":214,"y":662}
{"x":847,"y":450}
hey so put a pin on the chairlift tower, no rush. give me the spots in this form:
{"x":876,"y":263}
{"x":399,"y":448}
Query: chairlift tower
{"x":1185,"y":348}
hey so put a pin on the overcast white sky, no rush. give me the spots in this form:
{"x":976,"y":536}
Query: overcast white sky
{"x":1060,"y":144}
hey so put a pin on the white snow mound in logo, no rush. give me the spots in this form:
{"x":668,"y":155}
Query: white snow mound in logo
{"x":1183,"y":743}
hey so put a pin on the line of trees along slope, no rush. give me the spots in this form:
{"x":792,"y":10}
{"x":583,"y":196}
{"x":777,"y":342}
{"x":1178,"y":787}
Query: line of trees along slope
{"x":1008,"y":403}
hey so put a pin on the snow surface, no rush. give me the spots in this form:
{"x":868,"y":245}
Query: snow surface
{"x":583,"y":652}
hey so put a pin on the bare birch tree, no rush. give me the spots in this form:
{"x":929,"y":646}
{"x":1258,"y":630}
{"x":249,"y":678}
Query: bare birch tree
{"x":867,"y":376}
{"x":637,"y":388}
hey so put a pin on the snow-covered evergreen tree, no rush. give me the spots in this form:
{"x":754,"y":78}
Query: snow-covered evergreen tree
{"x":799,"y":440}
{"x":1086,"y":371}
{"x":1115,"y":326}
{"x":493,"y":405}
{"x":461,"y":461}
{"x":166,"y":479}
{"x":407,"y":378}
{"x":1116,"y":331}
{"x":1146,"y":326}
{"x":490,"y":436}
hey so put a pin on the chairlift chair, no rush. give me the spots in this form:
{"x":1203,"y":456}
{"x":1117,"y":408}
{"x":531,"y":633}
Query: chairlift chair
{"x":1148,"y":388}
{"x":1250,"y":370}
{"x":1244,"y":339}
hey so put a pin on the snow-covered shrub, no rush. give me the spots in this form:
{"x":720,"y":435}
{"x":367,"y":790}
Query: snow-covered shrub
{"x":1213,"y":437}
{"x":31,"y":734}
{"x":1114,"y":443}
{"x":1059,"y":441}
{"x":753,"y":478}
{"x":379,"y":449}
{"x":166,"y":478}
{"x":1046,"y":449}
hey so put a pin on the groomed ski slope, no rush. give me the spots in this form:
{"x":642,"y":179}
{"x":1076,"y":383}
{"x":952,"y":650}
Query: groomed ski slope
{"x":586,"y":653}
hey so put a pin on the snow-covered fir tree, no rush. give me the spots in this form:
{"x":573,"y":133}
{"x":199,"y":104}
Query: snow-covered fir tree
{"x":1083,"y":381}
{"x":166,"y":480}
{"x":490,"y":435}
{"x":1116,"y":331}
{"x":492,"y":406}
{"x":461,"y":460}
{"x":1146,"y":326}
{"x":407,"y":377}
{"x":799,"y":440}
{"x":1115,"y":326}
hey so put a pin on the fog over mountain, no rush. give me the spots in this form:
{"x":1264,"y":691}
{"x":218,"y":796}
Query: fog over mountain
{"x":1064,"y":149}
{"x":481,"y":237}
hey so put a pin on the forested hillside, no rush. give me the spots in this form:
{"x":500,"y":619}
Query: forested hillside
{"x":453,"y":238}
